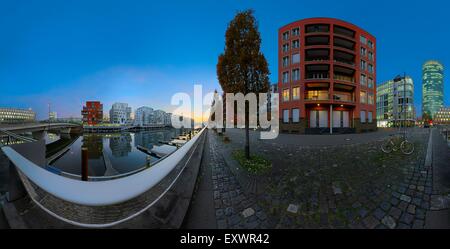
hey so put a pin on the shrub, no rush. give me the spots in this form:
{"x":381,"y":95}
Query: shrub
{"x":256,"y":164}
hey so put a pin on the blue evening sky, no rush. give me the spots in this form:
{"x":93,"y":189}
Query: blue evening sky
{"x":142,"y":52}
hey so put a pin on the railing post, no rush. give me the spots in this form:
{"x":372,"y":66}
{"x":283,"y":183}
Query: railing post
{"x":84,"y":164}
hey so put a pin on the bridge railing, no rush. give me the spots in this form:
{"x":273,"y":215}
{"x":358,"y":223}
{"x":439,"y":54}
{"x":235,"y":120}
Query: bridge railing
{"x":99,"y":204}
{"x":12,"y":138}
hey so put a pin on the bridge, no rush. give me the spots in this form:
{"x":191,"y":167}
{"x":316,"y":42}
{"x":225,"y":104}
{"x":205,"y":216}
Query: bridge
{"x":160,"y":193}
{"x":40,"y":127}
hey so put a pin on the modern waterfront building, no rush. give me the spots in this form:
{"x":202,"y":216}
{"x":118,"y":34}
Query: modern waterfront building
{"x":120,"y":113}
{"x":143,"y":116}
{"x":392,"y":97}
{"x":433,"y":87}
{"x":53,"y":116}
{"x":442,"y":117}
{"x":326,"y":77}
{"x":92,"y":112}
{"x":16,"y":116}
{"x":168,"y":119}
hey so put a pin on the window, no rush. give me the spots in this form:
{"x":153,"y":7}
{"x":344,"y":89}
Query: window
{"x":296,"y":93}
{"x":370,"y":117}
{"x":363,"y":80}
{"x":363,"y":40}
{"x":370,"y":44}
{"x":363,"y":117}
{"x":295,"y":74}
{"x":370,"y":99}
{"x":370,"y":83}
{"x":286,"y":35}
{"x":363,"y":52}
{"x":363,"y":65}
{"x":370,"y":56}
{"x":363,"y":97}
{"x":295,"y":58}
{"x":285,"y":116}
{"x":286,"y":95}
{"x":295,"y":115}
{"x":286,"y":77}
{"x":296,"y":44}
{"x":286,"y":47}
{"x":285,"y":61}
{"x":370,"y":68}
{"x":296,"y":32}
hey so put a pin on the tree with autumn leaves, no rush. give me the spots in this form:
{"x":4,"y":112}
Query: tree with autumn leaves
{"x":242,"y":68}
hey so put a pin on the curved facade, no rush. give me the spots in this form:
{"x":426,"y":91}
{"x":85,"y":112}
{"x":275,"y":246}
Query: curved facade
{"x":327,"y":75}
{"x":433,"y":87}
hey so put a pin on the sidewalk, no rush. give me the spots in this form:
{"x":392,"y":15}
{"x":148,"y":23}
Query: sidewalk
{"x":201,"y":210}
{"x":439,"y":215}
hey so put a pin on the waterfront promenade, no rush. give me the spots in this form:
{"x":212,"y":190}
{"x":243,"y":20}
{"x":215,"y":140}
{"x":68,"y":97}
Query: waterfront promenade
{"x":340,"y":181}
{"x":316,"y":181}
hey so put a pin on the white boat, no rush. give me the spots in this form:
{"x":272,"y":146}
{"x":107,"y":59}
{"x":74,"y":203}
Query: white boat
{"x":163,"y":150}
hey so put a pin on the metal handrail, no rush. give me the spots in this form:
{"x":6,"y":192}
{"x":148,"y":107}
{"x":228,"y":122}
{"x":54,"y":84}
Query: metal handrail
{"x":99,"y":193}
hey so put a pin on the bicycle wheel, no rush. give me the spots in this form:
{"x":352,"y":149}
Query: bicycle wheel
{"x":387,"y":147}
{"x":407,"y":147}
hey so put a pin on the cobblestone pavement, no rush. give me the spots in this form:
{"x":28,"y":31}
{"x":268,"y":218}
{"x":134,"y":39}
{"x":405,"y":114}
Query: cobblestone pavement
{"x":234,"y":209}
{"x":334,"y":186}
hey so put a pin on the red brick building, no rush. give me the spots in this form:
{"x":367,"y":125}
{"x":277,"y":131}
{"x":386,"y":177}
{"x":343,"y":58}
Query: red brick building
{"x":92,"y":112}
{"x":326,"y":77}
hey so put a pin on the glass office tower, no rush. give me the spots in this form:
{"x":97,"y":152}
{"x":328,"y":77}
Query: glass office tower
{"x":433,"y":87}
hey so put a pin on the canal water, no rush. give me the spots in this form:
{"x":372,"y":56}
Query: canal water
{"x":120,"y":149}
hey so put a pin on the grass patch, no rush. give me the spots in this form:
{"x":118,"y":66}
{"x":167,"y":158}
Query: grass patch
{"x":256,"y":164}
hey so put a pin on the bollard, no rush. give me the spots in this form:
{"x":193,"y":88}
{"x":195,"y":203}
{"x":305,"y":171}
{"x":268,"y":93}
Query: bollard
{"x":84,"y":164}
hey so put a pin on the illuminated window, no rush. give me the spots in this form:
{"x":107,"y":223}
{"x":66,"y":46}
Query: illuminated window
{"x":363,"y":97}
{"x":296,"y":93}
{"x":286,"y":95}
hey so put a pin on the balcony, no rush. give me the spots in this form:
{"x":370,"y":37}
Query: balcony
{"x":317,"y":76}
{"x":344,"y":43}
{"x":317,"y":95}
{"x":343,"y":97}
{"x":338,"y":30}
{"x":345,"y":78}
{"x":317,"y":28}
{"x":317,"y":40}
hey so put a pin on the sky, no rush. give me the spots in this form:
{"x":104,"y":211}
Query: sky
{"x":142,"y":52}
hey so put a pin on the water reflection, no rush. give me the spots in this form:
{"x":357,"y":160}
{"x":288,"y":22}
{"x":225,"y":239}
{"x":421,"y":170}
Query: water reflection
{"x":120,"y":144}
{"x":109,"y":153}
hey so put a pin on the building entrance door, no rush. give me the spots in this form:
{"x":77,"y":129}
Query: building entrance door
{"x":341,"y":119}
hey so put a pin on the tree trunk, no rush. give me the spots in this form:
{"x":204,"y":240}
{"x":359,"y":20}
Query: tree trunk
{"x":247,"y":136}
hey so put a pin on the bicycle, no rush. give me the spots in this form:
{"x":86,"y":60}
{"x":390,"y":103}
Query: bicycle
{"x":395,"y":142}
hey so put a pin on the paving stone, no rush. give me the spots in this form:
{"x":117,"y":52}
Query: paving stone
{"x":395,"y":212}
{"x":405,"y":198}
{"x":385,"y":206}
{"x":371,"y":222}
{"x":362,"y":213}
{"x":411,"y":209}
{"x":389,"y":222}
{"x":406,"y":218}
{"x":248,"y":212}
{"x":379,"y":214}
{"x":292,"y":208}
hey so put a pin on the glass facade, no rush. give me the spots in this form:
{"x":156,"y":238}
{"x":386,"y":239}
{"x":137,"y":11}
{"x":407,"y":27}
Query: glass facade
{"x":433,"y":87}
{"x":391,"y":98}
{"x":15,"y":116}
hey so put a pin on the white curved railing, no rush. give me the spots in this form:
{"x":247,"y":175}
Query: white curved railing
{"x":99,"y":193}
